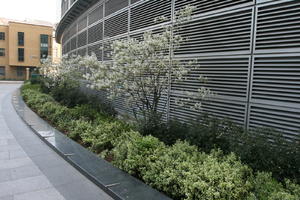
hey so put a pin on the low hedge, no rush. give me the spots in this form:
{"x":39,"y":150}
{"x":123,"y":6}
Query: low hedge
{"x":179,"y":170}
{"x":273,"y":153}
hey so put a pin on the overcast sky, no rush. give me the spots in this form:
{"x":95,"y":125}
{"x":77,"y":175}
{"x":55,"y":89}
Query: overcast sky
{"x":47,"y":10}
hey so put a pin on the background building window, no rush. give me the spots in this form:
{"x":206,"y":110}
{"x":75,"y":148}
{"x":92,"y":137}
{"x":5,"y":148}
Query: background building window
{"x":2,"y":36}
{"x":21,"y":38}
{"x":44,"y":46}
{"x":2,"y":52}
{"x":20,"y":54}
{"x":20,"y":71}
{"x":2,"y":71}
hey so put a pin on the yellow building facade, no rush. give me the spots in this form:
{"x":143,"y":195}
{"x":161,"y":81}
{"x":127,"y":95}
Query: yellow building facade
{"x":56,"y":50}
{"x":22,"y":46}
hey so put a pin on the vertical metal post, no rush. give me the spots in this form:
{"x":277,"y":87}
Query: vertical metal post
{"x":251,"y":66}
{"x":129,"y":17}
{"x":171,"y":52}
{"x":103,"y":24}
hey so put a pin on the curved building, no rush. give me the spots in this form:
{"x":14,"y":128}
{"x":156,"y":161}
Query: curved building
{"x":248,"y":49}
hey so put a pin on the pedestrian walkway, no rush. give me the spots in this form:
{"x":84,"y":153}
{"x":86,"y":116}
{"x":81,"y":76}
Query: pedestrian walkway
{"x":29,"y":169}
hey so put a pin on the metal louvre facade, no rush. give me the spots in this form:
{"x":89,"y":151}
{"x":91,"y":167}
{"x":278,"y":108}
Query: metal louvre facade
{"x":249,"y":51}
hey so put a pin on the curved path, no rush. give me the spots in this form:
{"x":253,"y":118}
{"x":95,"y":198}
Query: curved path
{"x":29,"y":169}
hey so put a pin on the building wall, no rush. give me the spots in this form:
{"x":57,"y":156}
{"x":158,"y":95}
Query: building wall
{"x":56,"y":51}
{"x":31,"y":46}
{"x":31,"y":43}
{"x":4,"y":44}
{"x":249,"y":51}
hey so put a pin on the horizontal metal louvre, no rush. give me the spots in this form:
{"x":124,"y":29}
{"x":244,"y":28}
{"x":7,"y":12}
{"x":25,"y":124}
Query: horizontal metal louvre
{"x":259,"y":85}
{"x":68,"y":46}
{"x":66,"y":36}
{"x":107,"y":50}
{"x":112,"y":6}
{"x":96,"y":33}
{"x":277,"y":78}
{"x":102,"y":95}
{"x":140,"y":35}
{"x":226,"y":76}
{"x":73,"y":30}
{"x":278,"y":26}
{"x":120,"y":105}
{"x":143,"y":15}
{"x":116,"y":25}
{"x":203,"y":6}
{"x":73,"y":43}
{"x":221,"y":33}
{"x":96,"y":49}
{"x":283,"y":119}
{"x":82,"y":52}
{"x":74,"y":53}
{"x":82,"y":39}
{"x":82,"y":24}
{"x":215,"y":107}
{"x":63,"y":41}
{"x":96,"y":15}
{"x":134,"y":1}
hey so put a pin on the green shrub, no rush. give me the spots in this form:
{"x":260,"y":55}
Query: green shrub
{"x":132,"y":151}
{"x":182,"y":171}
{"x":100,"y":137}
{"x":267,"y":188}
{"x":78,"y":128}
{"x":87,"y":111}
{"x":68,"y":95}
{"x":61,"y":113}
{"x":35,"y":99}
{"x":152,"y":124}
{"x":267,"y":150}
{"x":272,"y":153}
{"x":30,"y":86}
{"x":48,"y":109}
{"x":65,"y":124}
{"x":167,"y":169}
{"x":293,"y":188}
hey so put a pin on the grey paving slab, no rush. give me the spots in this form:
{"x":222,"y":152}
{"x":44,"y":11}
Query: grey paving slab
{"x":5,"y":175}
{"x":47,"y":194}
{"x":70,"y":175}
{"x":29,"y":169}
{"x":9,"y":147}
{"x":69,"y":191}
{"x":24,"y":185}
{"x":3,"y":142}
{"x":25,"y":172}
{"x":4,"y":155}
{"x":10,"y":197}
{"x":19,"y":153}
{"x":14,"y":163}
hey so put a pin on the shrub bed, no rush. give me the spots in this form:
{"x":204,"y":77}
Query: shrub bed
{"x":180,"y":170}
{"x":272,"y":153}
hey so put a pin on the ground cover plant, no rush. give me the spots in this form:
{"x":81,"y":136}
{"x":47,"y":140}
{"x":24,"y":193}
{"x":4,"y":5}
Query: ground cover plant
{"x":181,"y":170}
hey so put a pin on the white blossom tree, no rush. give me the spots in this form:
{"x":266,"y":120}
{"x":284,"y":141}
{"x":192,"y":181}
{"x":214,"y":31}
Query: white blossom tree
{"x":68,"y":70}
{"x":142,"y":71}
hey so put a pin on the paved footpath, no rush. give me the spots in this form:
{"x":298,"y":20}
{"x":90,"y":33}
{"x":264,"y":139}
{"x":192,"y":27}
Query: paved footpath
{"x":29,"y":169}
